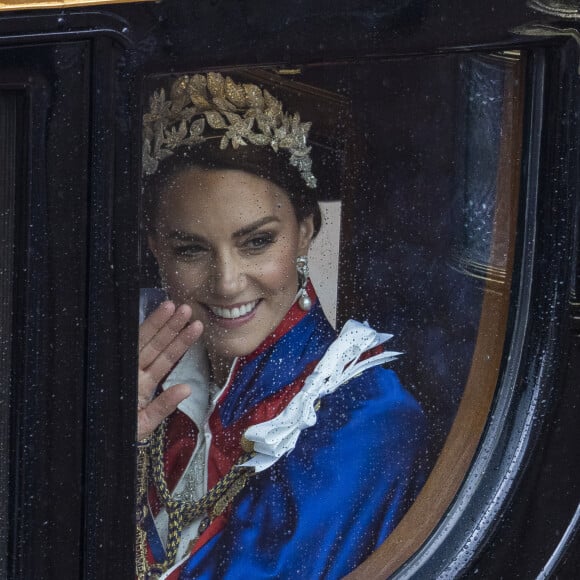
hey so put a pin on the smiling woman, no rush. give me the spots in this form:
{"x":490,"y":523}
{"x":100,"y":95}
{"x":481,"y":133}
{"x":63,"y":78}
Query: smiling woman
{"x":227,"y":243}
{"x":264,"y":435}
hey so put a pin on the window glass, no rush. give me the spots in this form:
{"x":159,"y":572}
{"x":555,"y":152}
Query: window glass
{"x":416,"y":165}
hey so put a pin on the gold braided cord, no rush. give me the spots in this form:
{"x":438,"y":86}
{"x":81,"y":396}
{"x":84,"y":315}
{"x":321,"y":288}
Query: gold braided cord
{"x":141,"y":565}
{"x":183,"y":513}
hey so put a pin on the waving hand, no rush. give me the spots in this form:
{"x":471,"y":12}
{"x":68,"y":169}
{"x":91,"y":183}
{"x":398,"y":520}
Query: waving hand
{"x":164,"y":337}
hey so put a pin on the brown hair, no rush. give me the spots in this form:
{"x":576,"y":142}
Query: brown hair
{"x":260,"y":161}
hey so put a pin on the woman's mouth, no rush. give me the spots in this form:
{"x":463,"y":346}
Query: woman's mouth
{"x":236,"y":314}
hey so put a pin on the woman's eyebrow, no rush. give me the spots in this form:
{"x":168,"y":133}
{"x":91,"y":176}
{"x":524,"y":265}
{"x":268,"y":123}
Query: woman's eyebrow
{"x":254,"y":226}
{"x":185,"y":237}
{"x":190,"y":237}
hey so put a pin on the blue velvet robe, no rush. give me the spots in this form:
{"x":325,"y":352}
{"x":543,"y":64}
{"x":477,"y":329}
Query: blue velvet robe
{"x":323,"y":508}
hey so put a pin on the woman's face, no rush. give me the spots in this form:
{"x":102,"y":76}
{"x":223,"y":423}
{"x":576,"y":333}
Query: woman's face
{"x":226,"y":243}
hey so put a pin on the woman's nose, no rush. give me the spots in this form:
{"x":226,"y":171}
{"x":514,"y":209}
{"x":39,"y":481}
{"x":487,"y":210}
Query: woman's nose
{"x":228,"y":276}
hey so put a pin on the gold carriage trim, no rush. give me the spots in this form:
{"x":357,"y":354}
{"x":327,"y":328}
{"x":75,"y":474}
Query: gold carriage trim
{"x":44,"y":4}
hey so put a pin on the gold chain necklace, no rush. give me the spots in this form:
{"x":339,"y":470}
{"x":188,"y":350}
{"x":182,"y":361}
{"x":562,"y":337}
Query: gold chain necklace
{"x":181,"y":513}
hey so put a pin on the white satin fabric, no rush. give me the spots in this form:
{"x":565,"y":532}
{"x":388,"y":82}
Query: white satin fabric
{"x":278,"y":436}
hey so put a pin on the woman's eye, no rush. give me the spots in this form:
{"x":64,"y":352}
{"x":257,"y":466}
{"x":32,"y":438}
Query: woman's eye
{"x":189,"y":251}
{"x":260,"y":241}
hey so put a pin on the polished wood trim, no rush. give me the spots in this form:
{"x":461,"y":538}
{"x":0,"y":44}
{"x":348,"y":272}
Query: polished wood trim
{"x":465,"y":434}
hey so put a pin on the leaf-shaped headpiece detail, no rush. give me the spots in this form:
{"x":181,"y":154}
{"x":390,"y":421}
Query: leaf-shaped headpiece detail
{"x":241,"y":113}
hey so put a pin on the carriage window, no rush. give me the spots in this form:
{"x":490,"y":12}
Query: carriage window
{"x":416,"y":163}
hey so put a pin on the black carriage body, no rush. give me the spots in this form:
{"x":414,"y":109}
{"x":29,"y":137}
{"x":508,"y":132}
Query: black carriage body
{"x":71,"y":98}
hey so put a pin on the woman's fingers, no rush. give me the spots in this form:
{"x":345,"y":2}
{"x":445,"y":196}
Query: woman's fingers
{"x":154,"y":322}
{"x":151,"y":376}
{"x":159,"y":330}
{"x":164,"y":337}
{"x":162,"y":406}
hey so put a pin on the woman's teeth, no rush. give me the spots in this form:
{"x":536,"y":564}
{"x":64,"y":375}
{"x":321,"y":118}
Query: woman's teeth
{"x":233,"y":312}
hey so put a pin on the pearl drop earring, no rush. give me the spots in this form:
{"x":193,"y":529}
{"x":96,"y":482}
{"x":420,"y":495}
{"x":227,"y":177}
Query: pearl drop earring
{"x":302,"y":267}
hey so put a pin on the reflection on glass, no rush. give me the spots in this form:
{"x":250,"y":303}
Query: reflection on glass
{"x":449,"y":211}
{"x":481,"y":146}
{"x":292,"y":452}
